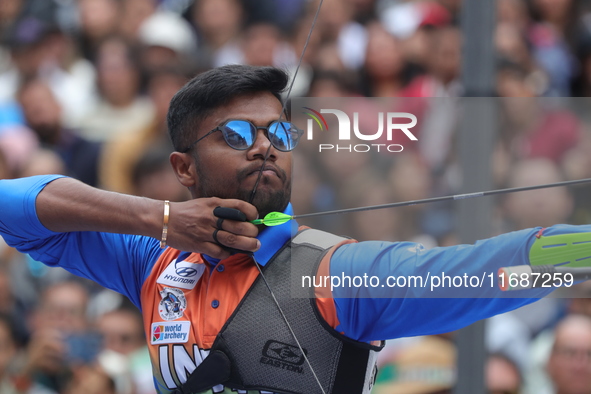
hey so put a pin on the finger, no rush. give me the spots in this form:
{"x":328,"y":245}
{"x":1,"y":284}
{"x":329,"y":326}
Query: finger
{"x":230,"y":250}
{"x":248,"y":209}
{"x":240,"y":228}
{"x":220,"y":224}
{"x":215,"y":236}
{"x":216,"y":251}
{"x":234,"y":241}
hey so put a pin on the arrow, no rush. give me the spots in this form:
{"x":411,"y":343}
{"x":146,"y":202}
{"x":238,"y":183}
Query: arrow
{"x":277,"y":218}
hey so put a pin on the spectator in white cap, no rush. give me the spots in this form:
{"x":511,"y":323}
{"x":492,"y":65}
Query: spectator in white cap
{"x":168,"y":41}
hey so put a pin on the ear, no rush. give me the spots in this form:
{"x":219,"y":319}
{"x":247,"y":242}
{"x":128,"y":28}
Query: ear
{"x":183,"y":166}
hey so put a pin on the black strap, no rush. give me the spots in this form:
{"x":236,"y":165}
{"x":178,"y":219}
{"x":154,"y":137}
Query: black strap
{"x":215,"y":369}
{"x":353,"y":359}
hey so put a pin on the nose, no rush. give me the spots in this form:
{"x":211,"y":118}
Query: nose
{"x":262,"y":147}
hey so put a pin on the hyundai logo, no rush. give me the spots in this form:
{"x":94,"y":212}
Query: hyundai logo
{"x":185,"y":271}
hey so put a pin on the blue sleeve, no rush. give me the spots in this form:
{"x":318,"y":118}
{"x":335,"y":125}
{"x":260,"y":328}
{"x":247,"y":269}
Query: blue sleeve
{"x":117,"y":261}
{"x":366,"y":313}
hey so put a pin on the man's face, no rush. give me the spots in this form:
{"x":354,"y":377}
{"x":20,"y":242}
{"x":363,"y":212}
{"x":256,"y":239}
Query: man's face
{"x":63,"y":308}
{"x":121,"y":332}
{"x":569,"y":365}
{"x":225,"y":172}
{"x":42,"y":111}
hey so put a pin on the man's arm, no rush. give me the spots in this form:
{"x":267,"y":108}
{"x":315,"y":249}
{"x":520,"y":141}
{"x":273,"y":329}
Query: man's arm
{"x":67,"y":205}
{"x":78,"y":229}
{"x":420,"y":310}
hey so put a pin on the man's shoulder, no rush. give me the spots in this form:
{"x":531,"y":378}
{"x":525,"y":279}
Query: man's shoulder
{"x":320,"y":238}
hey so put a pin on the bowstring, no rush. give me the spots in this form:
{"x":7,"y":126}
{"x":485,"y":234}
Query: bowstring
{"x":288,"y":325}
{"x":284,"y":106}
{"x":252,"y":195}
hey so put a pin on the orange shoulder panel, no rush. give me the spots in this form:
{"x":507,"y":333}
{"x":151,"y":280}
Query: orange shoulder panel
{"x":324,"y":299}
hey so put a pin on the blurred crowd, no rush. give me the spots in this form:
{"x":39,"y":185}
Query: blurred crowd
{"x":84,"y":91}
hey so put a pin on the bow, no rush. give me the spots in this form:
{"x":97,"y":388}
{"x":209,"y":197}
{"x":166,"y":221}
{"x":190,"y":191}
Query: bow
{"x":252,"y":195}
{"x":277,"y":218}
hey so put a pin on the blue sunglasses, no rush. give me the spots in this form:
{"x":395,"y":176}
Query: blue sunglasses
{"x":241,"y":134}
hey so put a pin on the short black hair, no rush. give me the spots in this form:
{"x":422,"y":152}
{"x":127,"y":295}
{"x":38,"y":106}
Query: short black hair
{"x":214,"y":88}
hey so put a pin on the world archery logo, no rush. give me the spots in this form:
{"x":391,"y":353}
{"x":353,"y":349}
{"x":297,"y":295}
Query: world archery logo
{"x":389,"y":125}
{"x":157,"y":332}
{"x":170,"y":332}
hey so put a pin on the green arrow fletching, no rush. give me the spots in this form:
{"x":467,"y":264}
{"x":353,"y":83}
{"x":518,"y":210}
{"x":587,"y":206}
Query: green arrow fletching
{"x":273,"y":219}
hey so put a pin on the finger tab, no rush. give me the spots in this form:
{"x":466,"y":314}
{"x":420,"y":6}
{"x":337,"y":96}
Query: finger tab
{"x":229,"y":213}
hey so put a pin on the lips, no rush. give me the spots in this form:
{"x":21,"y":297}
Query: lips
{"x":268,"y":169}
{"x":257,"y":168}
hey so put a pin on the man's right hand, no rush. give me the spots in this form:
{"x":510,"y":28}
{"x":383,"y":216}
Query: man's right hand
{"x":192,"y":225}
{"x":66,"y":205}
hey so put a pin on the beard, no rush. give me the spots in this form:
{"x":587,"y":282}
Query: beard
{"x":265,"y":199}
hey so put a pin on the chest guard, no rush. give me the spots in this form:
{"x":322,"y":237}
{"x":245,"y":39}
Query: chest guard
{"x":256,"y":351}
